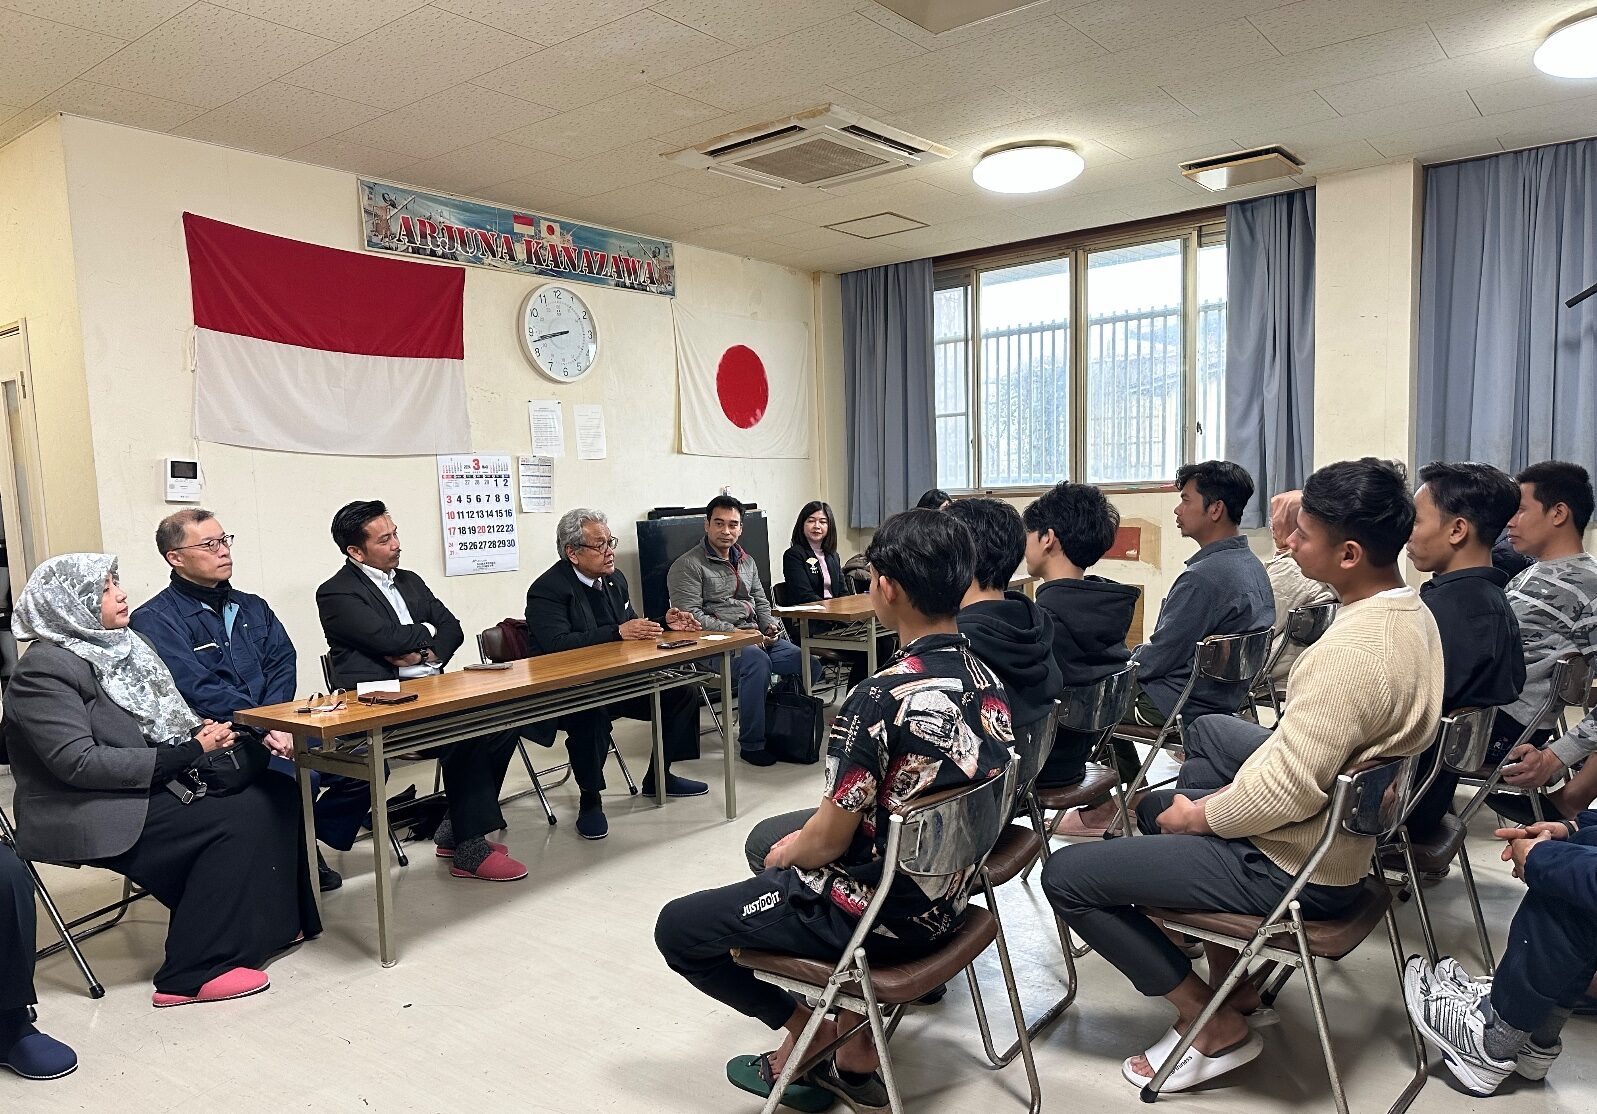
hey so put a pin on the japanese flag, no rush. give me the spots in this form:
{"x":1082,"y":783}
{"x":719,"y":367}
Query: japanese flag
{"x":745,"y":384}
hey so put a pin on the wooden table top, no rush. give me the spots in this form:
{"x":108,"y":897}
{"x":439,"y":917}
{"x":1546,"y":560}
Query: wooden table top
{"x":464,"y":690}
{"x":854,"y":607}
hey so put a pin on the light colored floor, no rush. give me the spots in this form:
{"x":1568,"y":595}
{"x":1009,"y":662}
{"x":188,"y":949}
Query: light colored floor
{"x":548,"y":996}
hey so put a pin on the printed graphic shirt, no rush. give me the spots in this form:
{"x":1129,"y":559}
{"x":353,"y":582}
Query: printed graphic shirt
{"x":1556,"y":605}
{"x":935,"y":718}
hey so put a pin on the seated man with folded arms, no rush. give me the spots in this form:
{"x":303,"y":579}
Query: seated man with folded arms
{"x":383,"y":623}
{"x":718,"y":583}
{"x":1458,"y":510}
{"x":1068,"y":530}
{"x":933,"y":718}
{"x":1249,"y":805}
{"x":1555,"y":601}
{"x":1511,"y":1023}
{"x":582,"y":600}
{"x":1290,"y":588}
{"x":228,"y":652}
{"x":1223,"y":590}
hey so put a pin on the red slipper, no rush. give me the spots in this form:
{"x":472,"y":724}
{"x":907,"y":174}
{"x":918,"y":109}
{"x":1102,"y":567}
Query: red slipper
{"x":497,"y":867}
{"x":240,"y":982}
{"x":449,"y":852}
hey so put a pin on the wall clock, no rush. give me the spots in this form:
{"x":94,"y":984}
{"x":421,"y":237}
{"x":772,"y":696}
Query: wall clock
{"x":558,"y":334}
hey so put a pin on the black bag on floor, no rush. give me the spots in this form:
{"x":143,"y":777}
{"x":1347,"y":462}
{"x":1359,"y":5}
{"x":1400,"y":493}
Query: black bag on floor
{"x":794,"y":725}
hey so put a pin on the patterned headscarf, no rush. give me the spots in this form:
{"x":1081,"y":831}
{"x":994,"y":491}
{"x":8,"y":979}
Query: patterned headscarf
{"x":61,"y":604}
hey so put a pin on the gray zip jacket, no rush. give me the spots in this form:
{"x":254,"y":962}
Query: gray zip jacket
{"x":721,"y":594}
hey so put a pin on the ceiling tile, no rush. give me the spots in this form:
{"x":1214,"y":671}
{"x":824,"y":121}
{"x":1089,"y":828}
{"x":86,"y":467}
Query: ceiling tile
{"x":478,"y":166}
{"x":446,"y":120}
{"x":340,"y":154}
{"x":1498,"y":24}
{"x":638,"y":199}
{"x":340,"y":22}
{"x":634,"y":50}
{"x":1121,"y":25}
{"x":1463,"y":138}
{"x":961,"y":35}
{"x":1124,"y":113}
{"x":277,"y":118}
{"x":1448,"y":108}
{"x":1333,"y":158}
{"x":666,"y":227}
{"x":1017,"y":52}
{"x":919,"y":200}
{"x":917,"y":81}
{"x":601,"y":173}
{"x":1315,"y":23}
{"x":745,"y":23}
{"x":527,"y":195}
{"x":1387,"y":52}
{"x":617,"y":121}
{"x":1418,"y":82}
{"x":959,"y":115}
{"x":1528,"y":92}
{"x":1220,"y":127}
{"x":38,"y":55}
{"x":209,"y":56}
{"x":800,"y":98}
{"x":390,"y":71}
{"x":125,"y":19}
{"x":101,"y":102}
{"x":544,"y":21}
{"x":721,"y":210}
{"x":1547,"y":123}
{"x":706,"y":184}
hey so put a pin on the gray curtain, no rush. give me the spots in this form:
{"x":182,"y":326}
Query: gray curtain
{"x":1269,"y":357}
{"x":1507,"y":374}
{"x":887,"y":377}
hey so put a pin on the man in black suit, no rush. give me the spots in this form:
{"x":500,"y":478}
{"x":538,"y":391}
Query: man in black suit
{"x":582,"y":600}
{"x":382,"y":623}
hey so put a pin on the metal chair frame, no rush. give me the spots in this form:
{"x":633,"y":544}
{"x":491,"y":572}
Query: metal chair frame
{"x":393,"y":835}
{"x":1368,"y":801}
{"x":1304,"y":626}
{"x":68,"y":931}
{"x":832,"y":666}
{"x":1235,"y":659}
{"x":938,"y":838}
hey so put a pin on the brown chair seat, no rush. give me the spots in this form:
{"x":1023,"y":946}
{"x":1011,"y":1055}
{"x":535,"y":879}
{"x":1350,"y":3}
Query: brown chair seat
{"x":896,"y":984}
{"x":1433,"y":855}
{"x":1089,"y":790}
{"x":1137,"y":732}
{"x":1327,"y":939}
{"x":1013,"y":853}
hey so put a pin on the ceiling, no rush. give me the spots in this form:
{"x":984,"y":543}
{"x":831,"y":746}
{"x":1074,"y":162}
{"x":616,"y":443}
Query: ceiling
{"x":565,"y":106}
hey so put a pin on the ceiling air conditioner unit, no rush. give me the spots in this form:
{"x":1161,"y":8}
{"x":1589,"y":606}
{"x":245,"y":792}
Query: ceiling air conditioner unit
{"x":826,"y":146}
{"x":1242,"y":168}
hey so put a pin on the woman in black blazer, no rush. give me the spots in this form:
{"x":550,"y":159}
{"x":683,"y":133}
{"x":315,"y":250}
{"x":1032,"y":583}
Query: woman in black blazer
{"x":810,"y":566}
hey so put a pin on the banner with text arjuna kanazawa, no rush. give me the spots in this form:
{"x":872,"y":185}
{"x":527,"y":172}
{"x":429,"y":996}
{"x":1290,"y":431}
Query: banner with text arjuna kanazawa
{"x":454,"y":230}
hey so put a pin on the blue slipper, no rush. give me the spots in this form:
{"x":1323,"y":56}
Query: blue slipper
{"x":36,"y":1055}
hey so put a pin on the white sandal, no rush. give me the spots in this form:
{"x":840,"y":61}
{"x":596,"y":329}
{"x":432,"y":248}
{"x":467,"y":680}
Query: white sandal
{"x":1195,"y":1068}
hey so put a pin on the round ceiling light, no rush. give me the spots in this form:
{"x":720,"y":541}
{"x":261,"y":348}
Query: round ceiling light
{"x":1571,"y":50}
{"x":1029,"y":167}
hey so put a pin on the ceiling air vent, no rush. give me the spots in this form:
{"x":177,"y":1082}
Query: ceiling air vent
{"x":1242,"y":168}
{"x":826,"y":146}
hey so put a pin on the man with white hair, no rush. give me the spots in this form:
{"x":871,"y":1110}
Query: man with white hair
{"x":582,"y":600}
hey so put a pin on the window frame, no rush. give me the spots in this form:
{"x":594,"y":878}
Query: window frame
{"x":1197,"y":229}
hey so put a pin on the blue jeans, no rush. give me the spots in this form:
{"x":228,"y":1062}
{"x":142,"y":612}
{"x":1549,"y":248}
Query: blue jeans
{"x":754,"y":666}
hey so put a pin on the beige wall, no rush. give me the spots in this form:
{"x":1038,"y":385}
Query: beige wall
{"x":38,"y":287}
{"x":128,"y":191}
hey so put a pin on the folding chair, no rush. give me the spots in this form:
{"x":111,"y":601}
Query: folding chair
{"x":393,"y":832}
{"x":1304,"y":626}
{"x":1569,"y":686}
{"x":1461,"y":742}
{"x":1233,"y":659}
{"x":491,"y":647}
{"x":1369,"y":800}
{"x":943,"y":836}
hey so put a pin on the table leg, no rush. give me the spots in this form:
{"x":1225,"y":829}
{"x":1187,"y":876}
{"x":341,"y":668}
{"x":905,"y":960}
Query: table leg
{"x":804,"y":654}
{"x":728,"y":738}
{"x":658,"y":763}
{"x":380,"y":847}
{"x":307,"y":801}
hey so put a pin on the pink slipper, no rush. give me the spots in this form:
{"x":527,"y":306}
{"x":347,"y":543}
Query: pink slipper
{"x":497,"y":867}
{"x":449,"y":852}
{"x":240,"y":982}
{"x":1070,"y":825}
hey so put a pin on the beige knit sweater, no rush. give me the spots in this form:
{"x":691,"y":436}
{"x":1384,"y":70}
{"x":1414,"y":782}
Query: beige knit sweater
{"x":1371,"y":687}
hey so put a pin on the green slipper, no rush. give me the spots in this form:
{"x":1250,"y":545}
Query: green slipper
{"x":753,"y":1074}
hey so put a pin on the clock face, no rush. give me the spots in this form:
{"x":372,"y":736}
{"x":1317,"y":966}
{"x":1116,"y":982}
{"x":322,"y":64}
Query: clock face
{"x":558,"y":334}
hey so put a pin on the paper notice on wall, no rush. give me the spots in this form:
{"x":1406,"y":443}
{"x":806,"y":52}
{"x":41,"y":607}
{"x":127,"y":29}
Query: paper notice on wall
{"x":548,"y":436}
{"x":537,"y":483}
{"x":475,"y":499}
{"x":589,"y":418}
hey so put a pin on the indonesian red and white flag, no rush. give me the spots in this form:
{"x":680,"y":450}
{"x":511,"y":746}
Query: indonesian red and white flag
{"x":311,"y":349}
{"x":745,"y":384}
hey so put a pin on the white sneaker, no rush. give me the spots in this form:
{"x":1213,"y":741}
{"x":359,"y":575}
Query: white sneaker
{"x":1533,"y":1061}
{"x":1453,"y":1023}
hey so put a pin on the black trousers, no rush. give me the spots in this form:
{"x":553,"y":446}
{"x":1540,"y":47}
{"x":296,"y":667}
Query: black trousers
{"x":474,"y":775}
{"x":232,"y":871}
{"x":16,"y":933}
{"x":773,"y":911}
{"x":588,"y":733}
{"x":1549,"y":962}
{"x":768,"y":832}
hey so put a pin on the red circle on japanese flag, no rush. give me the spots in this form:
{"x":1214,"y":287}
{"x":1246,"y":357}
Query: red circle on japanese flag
{"x":741,"y":386}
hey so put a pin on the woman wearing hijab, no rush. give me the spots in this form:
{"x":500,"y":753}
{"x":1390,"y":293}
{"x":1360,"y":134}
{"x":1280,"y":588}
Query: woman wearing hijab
{"x":102,"y":745}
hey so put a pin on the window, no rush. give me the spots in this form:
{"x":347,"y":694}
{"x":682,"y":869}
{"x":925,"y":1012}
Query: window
{"x":1025,"y":400}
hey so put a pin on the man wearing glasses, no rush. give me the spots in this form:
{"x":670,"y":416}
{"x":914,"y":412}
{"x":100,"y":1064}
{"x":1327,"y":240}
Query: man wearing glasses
{"x":582,"y":600}
{"x":227,"y":652}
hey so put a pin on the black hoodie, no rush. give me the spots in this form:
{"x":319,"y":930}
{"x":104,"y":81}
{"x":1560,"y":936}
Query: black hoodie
{"x":1090,"y":618}
{"x":1014,"y":636}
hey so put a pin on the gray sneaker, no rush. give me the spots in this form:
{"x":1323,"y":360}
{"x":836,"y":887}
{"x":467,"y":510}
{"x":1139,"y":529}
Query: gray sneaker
{"x":868,"y":1097}
{"x":1453,"y":1023}
{"x":1533,"y":1061}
